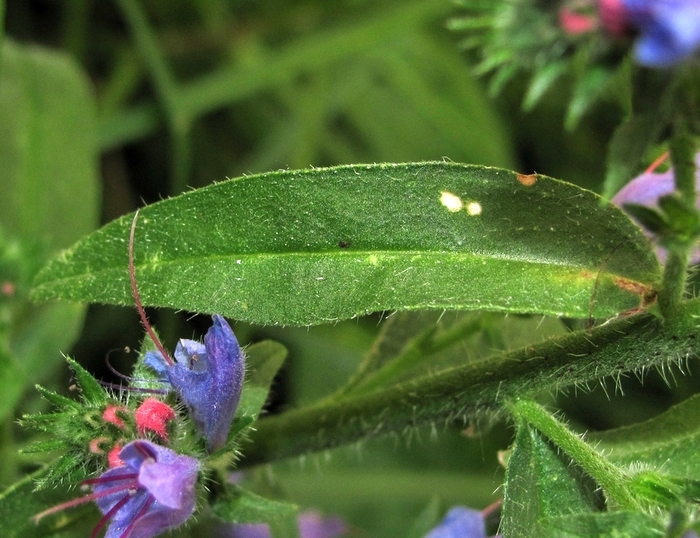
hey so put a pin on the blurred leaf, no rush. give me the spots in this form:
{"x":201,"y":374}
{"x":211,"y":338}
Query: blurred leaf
{"x":586,"y":93}
{"x":629,"y":143}
{"x":20,"y":502}
{"x":669,"y":442}
{"x":320,"y":245}
{"x":238,"y":505}
{"x":426,"y":520}
{"x":48,"y":147}
{"x":542,"y":80}
{"x":263,"y":361}
{"x":48,"y":157}
{"x":540,"y":483}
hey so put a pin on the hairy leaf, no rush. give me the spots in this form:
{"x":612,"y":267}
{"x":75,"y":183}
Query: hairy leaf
{"x":315,"y":246}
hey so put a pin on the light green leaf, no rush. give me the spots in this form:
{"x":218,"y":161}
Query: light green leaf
{"x":239,"y":505}
{"x":669,"y":442}
{"x":50,"y":198}
{"x":47,"y":147}
{"x":541,"y":483}
{"x":314,"y":246}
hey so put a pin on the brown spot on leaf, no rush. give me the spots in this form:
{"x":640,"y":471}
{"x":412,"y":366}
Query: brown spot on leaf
{"x":527,"y":179}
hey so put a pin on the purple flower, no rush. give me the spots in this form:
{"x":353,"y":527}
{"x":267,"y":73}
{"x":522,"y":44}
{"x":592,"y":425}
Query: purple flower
{"x":152,"y":492}
{"x":460,"y":522}
{"x":208,"y":378}
{"x":311,"y":525}
{"x":647,"y":188}
{"x":669,"y":30}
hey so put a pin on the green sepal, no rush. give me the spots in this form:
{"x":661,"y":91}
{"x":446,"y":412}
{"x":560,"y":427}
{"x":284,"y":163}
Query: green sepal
{"x":92,"y":392}
{"x":650,"y":218}
{"x":61,"y":402}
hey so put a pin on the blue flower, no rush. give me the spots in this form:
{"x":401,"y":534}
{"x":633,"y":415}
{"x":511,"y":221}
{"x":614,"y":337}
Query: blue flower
{"x":647,"y":188}
{"x":208,"y":378}
{"x":669,"y":30}
{"x":460,"y":522}
{"x":153,"y":491}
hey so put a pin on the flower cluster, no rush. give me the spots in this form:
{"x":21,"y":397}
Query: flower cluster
{"x":646,"y":190}
{"x":668,"y":30}
{"x":208,"y":378}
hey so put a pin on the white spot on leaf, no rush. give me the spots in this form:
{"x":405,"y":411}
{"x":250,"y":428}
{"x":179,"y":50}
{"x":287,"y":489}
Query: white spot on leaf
{"x":474,"y":208}
{"x":452,"y":202}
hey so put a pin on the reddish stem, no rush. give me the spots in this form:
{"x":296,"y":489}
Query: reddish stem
{"x":137,"y":298}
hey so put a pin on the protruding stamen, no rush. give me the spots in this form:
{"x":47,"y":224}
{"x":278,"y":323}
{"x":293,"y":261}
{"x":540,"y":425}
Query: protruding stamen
{"x":137,"y":298}
{"x":81,"y":500}
{"x":146,"y":505}
{"x":102,"y":522}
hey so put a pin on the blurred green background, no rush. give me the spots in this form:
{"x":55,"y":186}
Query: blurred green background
{"x":106,"y":106}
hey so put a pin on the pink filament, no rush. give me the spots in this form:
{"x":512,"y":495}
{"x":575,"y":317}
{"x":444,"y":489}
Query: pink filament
{"x":137,"y":299}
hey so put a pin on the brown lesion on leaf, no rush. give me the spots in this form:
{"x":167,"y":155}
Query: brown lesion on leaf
{"x":527,"y":179}
{"x":647,"y":293}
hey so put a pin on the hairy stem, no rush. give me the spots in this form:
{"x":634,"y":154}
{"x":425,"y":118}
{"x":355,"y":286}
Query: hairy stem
{"x":481,"y":388}
{"x":614,"y":482}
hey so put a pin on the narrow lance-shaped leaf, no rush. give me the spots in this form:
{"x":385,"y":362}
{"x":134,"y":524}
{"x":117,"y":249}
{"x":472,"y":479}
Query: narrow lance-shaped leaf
{"x":320,"y":245}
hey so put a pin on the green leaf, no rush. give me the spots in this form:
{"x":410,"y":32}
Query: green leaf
{"x":603,"y":525}
{"x":669,"y":442}
{"x":263,"y":361}
{"x":238,"y":505}
{"x":314,"y":246}
{"x":541,"y":483}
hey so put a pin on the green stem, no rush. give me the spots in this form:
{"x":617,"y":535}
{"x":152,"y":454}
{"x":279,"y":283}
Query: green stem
{"x":614,"y":482}
{"x":166,"y":87}
{"x":481,"y":388}
{"x":676,"y":267}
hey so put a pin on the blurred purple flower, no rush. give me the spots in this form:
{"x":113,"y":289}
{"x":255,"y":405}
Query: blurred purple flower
{"x":460,"y":522}
{"x":311,"y":525}
{"x":669,"y":30}
{"x":208,"y":379}
{"x":647,"y":188}
{"x":152,"y":492}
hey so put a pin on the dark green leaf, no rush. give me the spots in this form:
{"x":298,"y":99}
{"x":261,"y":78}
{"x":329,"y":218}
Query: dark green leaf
{"x":61,"y":402}
{"x":238,"y":505}
{"x":541,"y":483}
{"x":669,"y":442}
{"x":320,"y":245}
{"x":649,"y":218}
